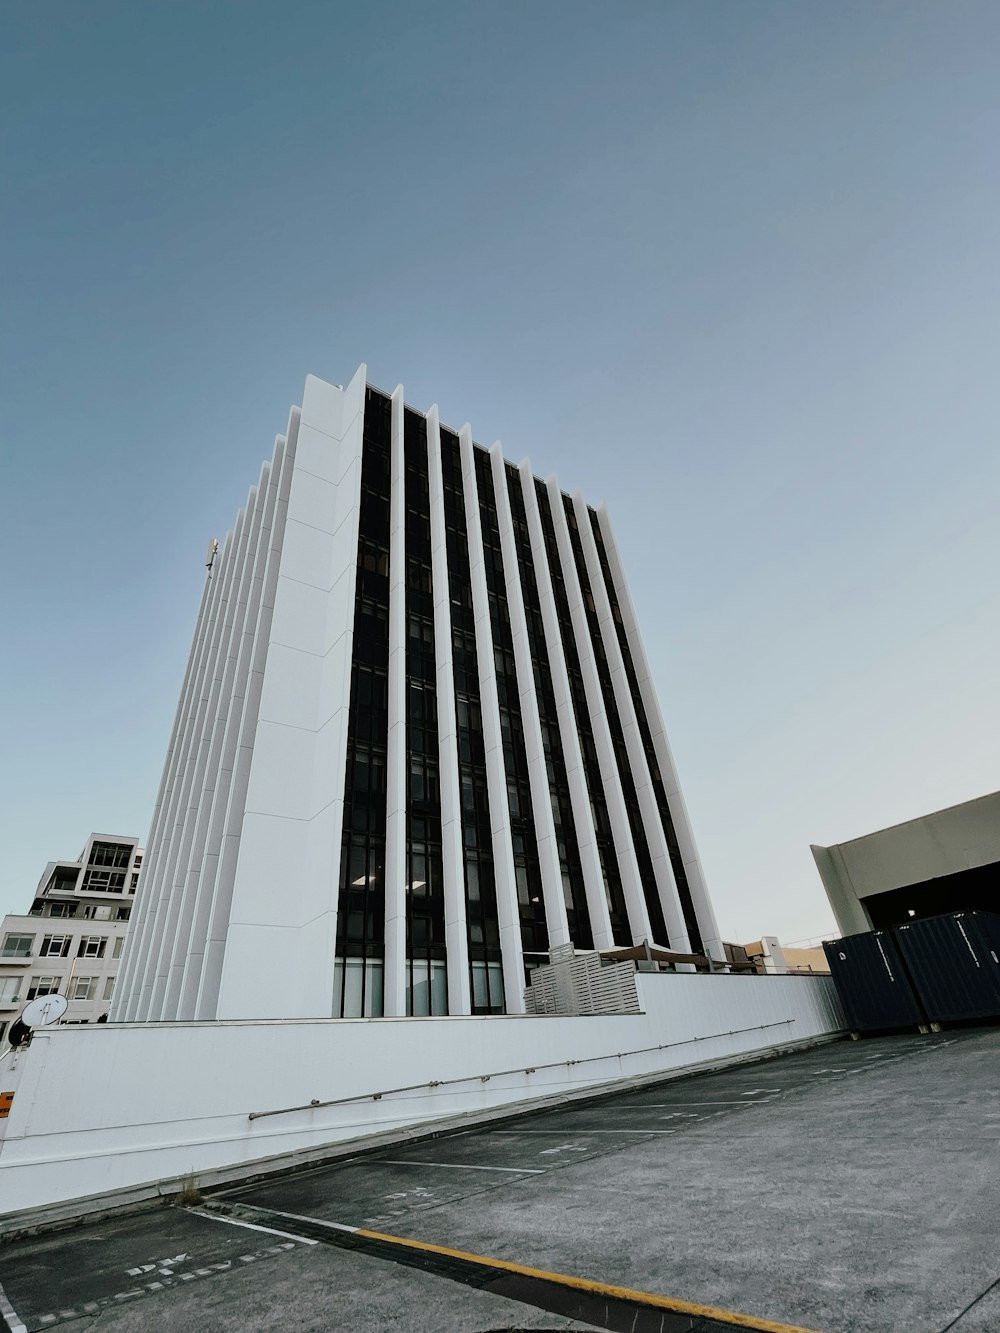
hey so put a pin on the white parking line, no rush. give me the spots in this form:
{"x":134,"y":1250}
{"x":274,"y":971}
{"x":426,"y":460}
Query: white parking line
{"x":250,"y":1226}
{"x":669,"y":1106}
{"x":462,"y":1166}
{"x":582,"y":1133}
{"x":294,"y":1217}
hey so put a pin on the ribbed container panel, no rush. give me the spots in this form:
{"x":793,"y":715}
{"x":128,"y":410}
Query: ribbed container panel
{"x":873,"y":982}
{"x":955,"y":964}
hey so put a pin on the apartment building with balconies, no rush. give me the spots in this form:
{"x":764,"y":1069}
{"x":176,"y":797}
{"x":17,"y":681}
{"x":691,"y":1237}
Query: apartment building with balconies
{"x":70,"y":940}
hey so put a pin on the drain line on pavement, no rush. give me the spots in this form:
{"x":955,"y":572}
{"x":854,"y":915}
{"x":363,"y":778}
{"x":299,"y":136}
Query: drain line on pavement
{"x":608,"y":1306}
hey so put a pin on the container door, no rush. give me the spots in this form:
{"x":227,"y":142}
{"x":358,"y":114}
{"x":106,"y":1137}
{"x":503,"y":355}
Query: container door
{"x":872,"y":982}
{"x":953,"y":960}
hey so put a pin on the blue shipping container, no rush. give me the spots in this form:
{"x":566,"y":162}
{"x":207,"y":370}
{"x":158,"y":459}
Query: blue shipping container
{"x":872,"y":982}
{"x":955,"y":964}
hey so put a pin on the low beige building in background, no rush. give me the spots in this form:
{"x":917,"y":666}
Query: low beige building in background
{"x":948,"y":861}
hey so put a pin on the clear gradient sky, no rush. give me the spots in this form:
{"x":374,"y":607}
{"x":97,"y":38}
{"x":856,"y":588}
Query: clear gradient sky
{"x":732,"y":267}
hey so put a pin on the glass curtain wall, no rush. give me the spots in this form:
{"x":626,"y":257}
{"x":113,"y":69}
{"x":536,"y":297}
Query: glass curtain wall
{"x":359,"y":965}
{"x":485,"y":959}
{"x":591,"y":764}
{"x":527,"y":874}
{"x":571,"y":870}
{"x":659,"y":791}
{"x":426,"y":954}
{"x":650,"y":891}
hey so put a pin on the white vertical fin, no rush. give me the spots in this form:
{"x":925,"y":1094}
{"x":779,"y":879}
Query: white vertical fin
{"x":283,"y":916}
{"x":583,"y":819}
{"x":666,"y":885}
{"x":711,"y":938}
{"x":161,"y":864}
{"x":394,"y":980}
{"x":617,"y":812}
{"x":215,"y":765}
{"x":496,"y":776}
{"x":124,"y":998}
{"x":452,"y":847}
{"x":203,"y":967}
{"x":541,"y":803}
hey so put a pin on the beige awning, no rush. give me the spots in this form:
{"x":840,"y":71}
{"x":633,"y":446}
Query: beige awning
{"x":652,"y":953}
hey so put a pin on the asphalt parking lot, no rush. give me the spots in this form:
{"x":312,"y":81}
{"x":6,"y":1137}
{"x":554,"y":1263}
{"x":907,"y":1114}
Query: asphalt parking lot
{"x":847,"y":1189}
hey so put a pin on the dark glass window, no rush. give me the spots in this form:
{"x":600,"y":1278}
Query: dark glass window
{"x":485,"y":960}
{"x":426,"y":953}
{"x":659,"y":791}
{"x":531,"y":906}
{"x":63,"y":880}
{"x":110,"y":854}
{"x":647,"y":877}
{"x":571,"y":870}
{"x":361,"y":903}
{"x":591,"y":765}
{"x":103,"y":881}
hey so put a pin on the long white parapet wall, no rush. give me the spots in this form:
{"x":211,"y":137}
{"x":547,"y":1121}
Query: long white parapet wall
{"x":131,"y":1110}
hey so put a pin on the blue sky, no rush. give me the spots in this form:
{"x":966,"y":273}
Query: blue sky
{"x":731,"y":267}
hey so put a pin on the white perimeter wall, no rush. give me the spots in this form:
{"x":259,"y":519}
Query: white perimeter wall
{"x":108,"y":1108}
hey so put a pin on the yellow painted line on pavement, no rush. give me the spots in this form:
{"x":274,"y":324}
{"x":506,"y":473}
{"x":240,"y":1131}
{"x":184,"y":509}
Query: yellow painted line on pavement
{"x":595,"y":1288}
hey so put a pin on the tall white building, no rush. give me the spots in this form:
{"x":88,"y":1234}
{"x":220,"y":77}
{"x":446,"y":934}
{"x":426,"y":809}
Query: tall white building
{"x":71,"y":940}
{"x":417,"y":746}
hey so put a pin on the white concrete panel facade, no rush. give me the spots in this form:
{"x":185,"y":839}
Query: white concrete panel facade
{"x":282,"y":924}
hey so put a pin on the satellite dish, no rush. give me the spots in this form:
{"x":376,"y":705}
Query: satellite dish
{"x":44,"y":1011}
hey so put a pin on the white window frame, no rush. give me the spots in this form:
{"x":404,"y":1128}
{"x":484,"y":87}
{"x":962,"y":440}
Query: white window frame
{"x":51,"y":985}
{"x":46,"y":950}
